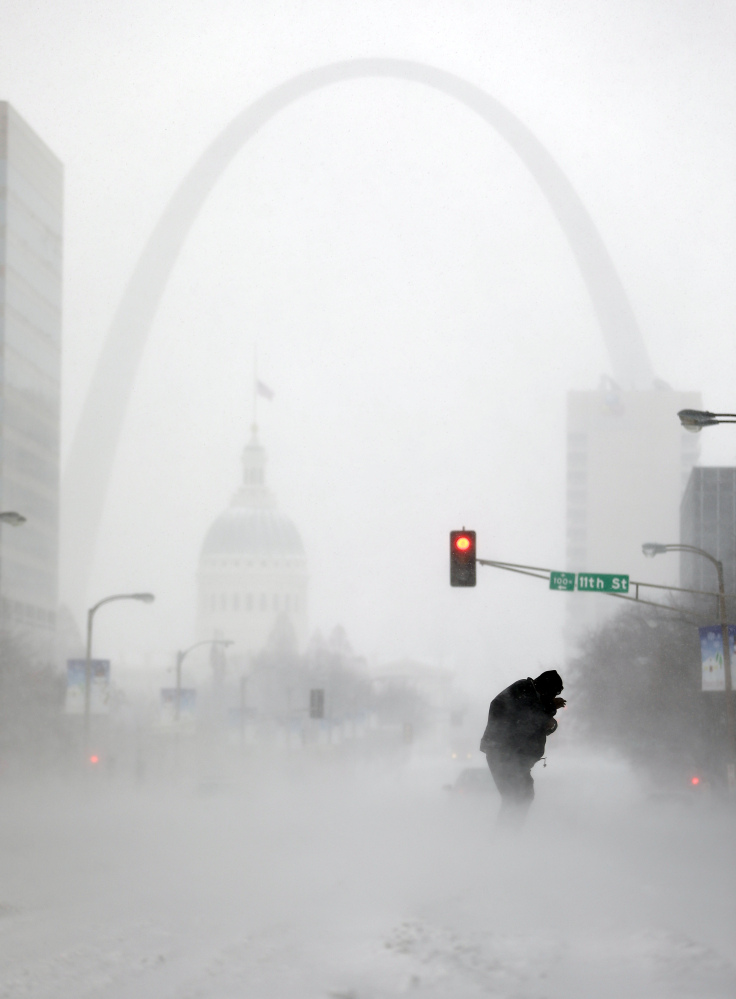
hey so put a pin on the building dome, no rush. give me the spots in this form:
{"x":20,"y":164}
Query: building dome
{"x":242,"y":530}
{"x":252,"y":567}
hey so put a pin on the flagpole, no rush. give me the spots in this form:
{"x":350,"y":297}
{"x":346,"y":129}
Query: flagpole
{"x":255,"y":389}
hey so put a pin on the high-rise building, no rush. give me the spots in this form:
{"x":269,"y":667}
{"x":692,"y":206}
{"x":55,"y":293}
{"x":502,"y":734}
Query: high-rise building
{"x":708,"y":521}
{"x":628,"y":460}
{"x":31,"y":180}
{"x":252,"y":569}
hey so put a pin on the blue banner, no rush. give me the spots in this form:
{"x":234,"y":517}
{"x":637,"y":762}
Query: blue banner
{"x":711,"y":655}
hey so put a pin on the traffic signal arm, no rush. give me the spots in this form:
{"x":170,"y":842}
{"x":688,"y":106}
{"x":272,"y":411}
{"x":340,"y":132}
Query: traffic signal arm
{"x":537,"y":570}
{"x":524,"y":570}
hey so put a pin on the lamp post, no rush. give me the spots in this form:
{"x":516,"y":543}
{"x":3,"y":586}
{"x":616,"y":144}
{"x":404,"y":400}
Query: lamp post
{"x":181,"y":656}
{"x":695,"y":419}
{"x":146,"y":598}
{"x":650,"y":550}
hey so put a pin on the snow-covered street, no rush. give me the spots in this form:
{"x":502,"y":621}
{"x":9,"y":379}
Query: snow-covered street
{"x":364,"y":880}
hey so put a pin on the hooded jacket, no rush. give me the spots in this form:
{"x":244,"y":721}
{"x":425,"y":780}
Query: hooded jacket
{"x":521,"y":717}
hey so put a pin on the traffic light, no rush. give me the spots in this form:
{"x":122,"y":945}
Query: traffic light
{"x":462,"y":558}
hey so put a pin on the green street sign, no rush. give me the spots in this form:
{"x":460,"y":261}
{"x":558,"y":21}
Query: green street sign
{"x":600,"y":582}
{"x":562,"y":581}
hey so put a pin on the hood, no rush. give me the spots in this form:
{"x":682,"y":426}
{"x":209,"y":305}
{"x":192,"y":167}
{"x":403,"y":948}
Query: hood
{"x":549,"y":684}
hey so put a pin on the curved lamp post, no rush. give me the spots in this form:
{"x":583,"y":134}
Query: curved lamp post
{"x":650,"y":550}
{"x":146,"y":598}
{"x":695,"y":419}
{"x":181,"y":656}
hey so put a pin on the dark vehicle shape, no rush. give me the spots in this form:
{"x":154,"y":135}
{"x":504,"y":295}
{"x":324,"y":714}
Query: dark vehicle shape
{"x":472,"y":781}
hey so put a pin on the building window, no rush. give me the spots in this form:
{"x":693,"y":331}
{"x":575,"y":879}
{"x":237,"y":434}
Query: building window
{"x":213,"y":602}
{"x":264,"y":601}
{"x":223,"y":601}
{"x":236,"y":601}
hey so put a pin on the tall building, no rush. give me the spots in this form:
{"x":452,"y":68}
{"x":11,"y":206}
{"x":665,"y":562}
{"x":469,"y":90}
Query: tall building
{"x":708,"y":521}
{"x":31,"y":181}
{"x":628,"y":460}
{"x":252,"y":568}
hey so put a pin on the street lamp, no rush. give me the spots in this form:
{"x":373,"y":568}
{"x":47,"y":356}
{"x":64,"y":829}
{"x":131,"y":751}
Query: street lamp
{"x":181,"y":656}
{"x":695,"y":419}
{"x":650,"y":550}
{"x":146,"y":598}
{"x":12,"y":518}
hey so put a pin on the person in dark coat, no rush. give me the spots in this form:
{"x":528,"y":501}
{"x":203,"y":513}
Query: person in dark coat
{"x":519,"y":720}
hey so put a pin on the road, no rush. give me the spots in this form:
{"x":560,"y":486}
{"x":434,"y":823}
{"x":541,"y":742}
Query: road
{"x":363,"y":880}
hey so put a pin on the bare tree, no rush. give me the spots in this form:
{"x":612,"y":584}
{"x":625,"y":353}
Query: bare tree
{"x":31,"y":700}
{"x":636,"y":687}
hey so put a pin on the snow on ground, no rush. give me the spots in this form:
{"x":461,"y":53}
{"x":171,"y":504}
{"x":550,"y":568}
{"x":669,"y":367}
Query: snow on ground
{"x":364,"y":881}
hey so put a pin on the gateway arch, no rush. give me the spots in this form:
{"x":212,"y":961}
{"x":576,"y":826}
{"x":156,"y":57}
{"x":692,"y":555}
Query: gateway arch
{"x":89,"y":465}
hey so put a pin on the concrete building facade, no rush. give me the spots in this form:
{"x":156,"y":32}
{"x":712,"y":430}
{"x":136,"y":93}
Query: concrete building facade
{"x":252,"y":575}
{"x":708,"y":521}
{"x":31,"y":190}
{"x":628,"y":460}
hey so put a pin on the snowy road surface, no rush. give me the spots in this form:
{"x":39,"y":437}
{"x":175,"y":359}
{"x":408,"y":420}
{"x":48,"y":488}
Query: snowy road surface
{"x":364,"y":881}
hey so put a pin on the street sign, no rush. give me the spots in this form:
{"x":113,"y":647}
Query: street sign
{"x":601,"y":582}
{"x":562,"y":580}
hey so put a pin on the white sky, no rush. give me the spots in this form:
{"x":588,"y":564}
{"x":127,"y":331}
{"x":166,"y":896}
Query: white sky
{"x":416,"y":307}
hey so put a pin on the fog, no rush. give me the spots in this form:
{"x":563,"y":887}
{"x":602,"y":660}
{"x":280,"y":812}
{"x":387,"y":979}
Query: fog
{"x":418,"y":313}
{"x":366,"y":880}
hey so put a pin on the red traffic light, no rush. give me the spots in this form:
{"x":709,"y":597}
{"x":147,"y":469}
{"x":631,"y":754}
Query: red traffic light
{"x":94,"y":759}
{"x":462,"y":558}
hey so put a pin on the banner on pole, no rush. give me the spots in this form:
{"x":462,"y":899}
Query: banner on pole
{"x":99,"y":686}
{"x":711,"y":655}
{"x":187,"y":707}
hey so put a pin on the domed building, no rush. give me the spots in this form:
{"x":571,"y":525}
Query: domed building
{"x":252,"y":568}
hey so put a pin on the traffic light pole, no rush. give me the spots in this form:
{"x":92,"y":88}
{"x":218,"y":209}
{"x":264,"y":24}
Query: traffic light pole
{"x":539,"y":572}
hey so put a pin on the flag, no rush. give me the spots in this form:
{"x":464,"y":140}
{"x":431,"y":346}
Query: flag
{"x":264,"y":390}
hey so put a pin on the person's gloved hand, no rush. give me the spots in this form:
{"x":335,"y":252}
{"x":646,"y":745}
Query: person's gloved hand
{"x":559,"y":702}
